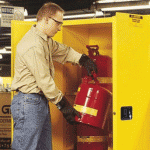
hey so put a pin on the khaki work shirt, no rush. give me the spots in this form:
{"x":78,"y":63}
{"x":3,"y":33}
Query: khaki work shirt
{"x":34,"y":69}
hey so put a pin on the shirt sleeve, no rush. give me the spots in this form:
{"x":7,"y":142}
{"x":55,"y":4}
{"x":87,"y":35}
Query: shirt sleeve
{"x":62,"y":53}
{"x":36,"y":62}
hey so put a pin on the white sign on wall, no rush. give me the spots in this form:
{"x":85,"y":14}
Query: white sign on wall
{"x":9,"y":13}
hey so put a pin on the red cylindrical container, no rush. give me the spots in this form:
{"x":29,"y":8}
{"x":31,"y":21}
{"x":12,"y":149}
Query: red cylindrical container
{"x":93,"y":102}
{"x":103,"y":62}
{"x":107,"y":86}
{"x":91,"y":138}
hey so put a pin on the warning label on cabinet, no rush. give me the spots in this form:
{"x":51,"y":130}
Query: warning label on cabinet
{"x":136,"y":20}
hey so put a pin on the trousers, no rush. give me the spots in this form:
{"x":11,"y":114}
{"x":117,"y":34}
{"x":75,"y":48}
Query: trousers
{"x":32,"y":122}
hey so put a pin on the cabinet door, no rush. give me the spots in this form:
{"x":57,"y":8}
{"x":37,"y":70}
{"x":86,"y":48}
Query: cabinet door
{"x":131,"y":80}
{"x":18,"y":30}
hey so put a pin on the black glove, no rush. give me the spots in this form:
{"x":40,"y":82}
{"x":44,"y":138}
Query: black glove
{"x":68,"y":111}
{"x":88,"y":63}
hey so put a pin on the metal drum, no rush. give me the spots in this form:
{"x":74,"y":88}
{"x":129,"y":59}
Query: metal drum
{"x":93,"y":102}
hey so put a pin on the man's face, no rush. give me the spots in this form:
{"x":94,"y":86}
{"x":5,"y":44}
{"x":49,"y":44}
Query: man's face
{"x":54,"y":24}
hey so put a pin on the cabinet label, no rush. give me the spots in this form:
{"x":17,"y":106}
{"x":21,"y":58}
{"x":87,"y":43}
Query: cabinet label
{"x":136,"y":20}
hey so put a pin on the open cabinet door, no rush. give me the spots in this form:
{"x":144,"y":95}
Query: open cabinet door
{"x":131,"y":71}
{"x":18,"y":30}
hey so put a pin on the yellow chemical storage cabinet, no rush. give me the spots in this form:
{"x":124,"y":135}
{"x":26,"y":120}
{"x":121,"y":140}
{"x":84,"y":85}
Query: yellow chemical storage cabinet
{"x":125,"y":38}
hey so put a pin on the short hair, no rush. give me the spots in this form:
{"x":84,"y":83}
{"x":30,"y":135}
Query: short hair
{"x":47,"y":10}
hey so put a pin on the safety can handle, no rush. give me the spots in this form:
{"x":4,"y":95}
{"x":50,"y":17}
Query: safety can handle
{"x":93,"y":50}
{"x":95,"y":78}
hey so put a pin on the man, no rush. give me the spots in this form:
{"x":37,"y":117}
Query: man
{"x":34,"y":81}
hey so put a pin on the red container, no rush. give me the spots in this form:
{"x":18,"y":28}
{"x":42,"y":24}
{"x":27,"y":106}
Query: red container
{"x":91,"y":138}
{"x":93,"y":102}
{"x":107,"y":86}
{"x":103,"y":62}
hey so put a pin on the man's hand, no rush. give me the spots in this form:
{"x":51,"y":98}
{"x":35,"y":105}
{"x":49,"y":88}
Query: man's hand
{"x":68,"y":111}
{"x":88,"y":63}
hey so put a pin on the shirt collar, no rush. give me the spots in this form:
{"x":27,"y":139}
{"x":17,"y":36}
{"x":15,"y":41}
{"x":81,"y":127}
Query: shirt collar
{"x":39,"y":33}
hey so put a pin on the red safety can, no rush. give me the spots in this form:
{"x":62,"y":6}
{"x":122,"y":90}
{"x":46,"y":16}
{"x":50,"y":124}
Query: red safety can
{"x":93,"y":102}
{"x":103,"y":62}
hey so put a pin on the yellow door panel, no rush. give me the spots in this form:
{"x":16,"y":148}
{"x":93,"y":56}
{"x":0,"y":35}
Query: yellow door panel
{"x":133,"y":72}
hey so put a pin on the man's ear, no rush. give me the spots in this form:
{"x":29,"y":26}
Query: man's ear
{"x":45,"y":20}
